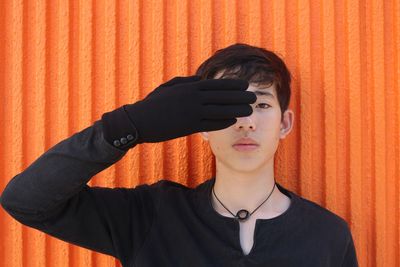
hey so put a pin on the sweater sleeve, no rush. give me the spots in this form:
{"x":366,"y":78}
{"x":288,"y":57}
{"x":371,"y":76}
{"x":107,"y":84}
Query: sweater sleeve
{"x":51,"y":195}
{"x":350,"y":257}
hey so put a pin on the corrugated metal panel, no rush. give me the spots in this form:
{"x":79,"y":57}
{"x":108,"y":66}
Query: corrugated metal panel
{"x":65,"y":63}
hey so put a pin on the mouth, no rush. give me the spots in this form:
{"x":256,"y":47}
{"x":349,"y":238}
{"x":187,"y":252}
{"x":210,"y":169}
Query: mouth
{"x":245,"y":147}
{"x":245,"y":144}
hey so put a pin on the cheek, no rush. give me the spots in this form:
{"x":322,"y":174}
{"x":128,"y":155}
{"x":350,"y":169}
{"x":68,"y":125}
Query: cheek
{"x":273,"y":114}
{"x":270,"y":129}
{"x":218,"y":143}
{"x":268,"y":123}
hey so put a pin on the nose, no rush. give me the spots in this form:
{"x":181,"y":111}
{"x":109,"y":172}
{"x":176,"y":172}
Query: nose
{"x":246,"y":123}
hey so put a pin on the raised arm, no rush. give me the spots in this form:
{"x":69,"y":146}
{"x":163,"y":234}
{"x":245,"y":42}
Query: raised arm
{"x":52,"y":194}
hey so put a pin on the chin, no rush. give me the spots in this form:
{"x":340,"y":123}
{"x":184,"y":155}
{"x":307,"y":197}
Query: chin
{"x":245,"y":164}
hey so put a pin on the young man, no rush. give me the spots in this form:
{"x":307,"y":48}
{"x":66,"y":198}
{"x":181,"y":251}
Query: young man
{"x":238,"y":101}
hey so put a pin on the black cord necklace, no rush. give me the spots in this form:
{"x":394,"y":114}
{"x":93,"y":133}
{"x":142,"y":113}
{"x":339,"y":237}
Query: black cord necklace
{"x":243,"y":215}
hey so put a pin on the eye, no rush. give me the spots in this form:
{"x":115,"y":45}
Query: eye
{"x":264,"y":104}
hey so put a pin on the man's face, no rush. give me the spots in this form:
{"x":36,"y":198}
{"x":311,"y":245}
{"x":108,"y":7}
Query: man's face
{"x":263,"y":125}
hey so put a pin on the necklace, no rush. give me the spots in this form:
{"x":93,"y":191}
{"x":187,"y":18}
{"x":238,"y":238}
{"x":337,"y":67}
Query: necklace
{"x":243,"y":215}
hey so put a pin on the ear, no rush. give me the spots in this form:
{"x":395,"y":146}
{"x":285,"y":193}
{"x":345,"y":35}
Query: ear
{"x":287,"y":123}
{"x":204,"y":135}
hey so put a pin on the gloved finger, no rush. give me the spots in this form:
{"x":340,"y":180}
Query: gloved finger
{"x":224,"y":97}
{"x":181,"y":79}
{"x":223,"y":84}
{"x":215,"y":112}
{"x":214,"y":125}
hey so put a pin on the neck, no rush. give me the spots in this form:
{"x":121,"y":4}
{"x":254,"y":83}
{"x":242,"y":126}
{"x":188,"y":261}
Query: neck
{"x":247,"y":190}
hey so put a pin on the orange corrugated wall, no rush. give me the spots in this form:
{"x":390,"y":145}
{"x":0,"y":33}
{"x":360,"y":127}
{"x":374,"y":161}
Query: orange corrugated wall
{"x":64,"y":63}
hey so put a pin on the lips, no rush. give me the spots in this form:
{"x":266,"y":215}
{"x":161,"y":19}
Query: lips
{"x":245,"y":147}
{"x":245,"y":141}
{"x":245,"y":144}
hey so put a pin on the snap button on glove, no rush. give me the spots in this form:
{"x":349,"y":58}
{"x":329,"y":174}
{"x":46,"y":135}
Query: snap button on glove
{"x":186,"y":105}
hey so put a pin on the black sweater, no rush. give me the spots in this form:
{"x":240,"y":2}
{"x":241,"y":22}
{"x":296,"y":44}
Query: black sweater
{"x":165,"y":223}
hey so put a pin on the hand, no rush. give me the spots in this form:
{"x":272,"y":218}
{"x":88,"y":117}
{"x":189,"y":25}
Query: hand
{"x":186,"y":105}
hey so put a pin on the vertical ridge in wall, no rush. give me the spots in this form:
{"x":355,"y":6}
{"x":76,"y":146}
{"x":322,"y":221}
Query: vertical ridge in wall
{"x":120,"y":42}
{"x":378,"y":67}
{"x":10,"y":231}
{"x":317,"y":102}
{"x":194,"y":142}
{"x":73,"y":66}
{"x":370,"y":136}
{"x":341,"y":109}
{"x":205,"y":49}
{"x":176,"y":157}
{"x":3,"y":39}
{"x":3,"y":108}
{"x":196,"y":57}
{"x":142,"y":68}
{"x":33,"y":111}
{"x":56,"y":42}
{"x":242,"y":26}
{"x":181,"y":54}
{"x":17,"y":81}
{"x":63,"y":95}
{"x":84,"y":56}
{"x":367,"y":138}
{"x":278,"y":39}
{"x":390,"y":131}
{"x":329,"y":95}
{"x":122,"y":81}
{"x":206,"y":34}
{"x":218,"y":21}
{"x":304,"y":64}
{"x":355,"y":122}
{"x":103,"y":78}
{"x":230,"y":22}
{"x":396,"y":38}
{"x":80,"y":101}
{"x":291,"y":59}
{"x":254,"y":23}
{"x":171,"y":36}
{"x":183,"y":48}
{"x":152,"y":41}
{"x":14,"y":91}
{"x":158,"y":39}
{"x":277,"y":27}
{"x":146,"y":82}
{"x":133,"y":92}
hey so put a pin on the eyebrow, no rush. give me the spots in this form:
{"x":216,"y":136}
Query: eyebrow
{"x":264,"y":93}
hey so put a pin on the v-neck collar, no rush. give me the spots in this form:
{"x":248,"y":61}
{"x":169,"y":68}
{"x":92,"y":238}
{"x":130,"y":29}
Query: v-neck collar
{"x":205,"y":205}
{"x":228,"y":228}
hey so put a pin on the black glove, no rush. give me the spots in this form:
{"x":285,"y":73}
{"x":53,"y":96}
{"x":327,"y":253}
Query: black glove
{"x":186,"y":105}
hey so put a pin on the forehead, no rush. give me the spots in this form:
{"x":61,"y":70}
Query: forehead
{"x":262,"y":91}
